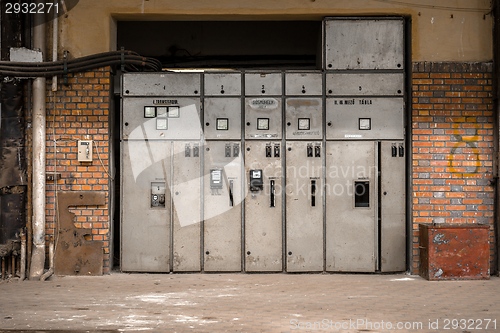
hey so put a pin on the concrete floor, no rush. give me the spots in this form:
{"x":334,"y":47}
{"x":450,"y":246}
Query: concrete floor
{"x":250,"y":303}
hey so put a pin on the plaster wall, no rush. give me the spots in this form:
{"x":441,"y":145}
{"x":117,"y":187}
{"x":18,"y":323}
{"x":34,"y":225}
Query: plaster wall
{"x":448,"y":30}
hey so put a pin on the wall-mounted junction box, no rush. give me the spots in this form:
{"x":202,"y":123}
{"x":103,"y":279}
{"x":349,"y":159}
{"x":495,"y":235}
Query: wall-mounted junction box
{"x":84,"y":150}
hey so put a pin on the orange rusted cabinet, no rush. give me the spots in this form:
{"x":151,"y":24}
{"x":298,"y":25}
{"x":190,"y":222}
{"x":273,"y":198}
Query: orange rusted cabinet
{"x":454,"y":251}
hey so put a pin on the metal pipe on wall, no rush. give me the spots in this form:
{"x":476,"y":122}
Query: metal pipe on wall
{"x":496,"y":132}
{"x":39,"y":116}
{"x":22,"y":269}
{"x":51,"y":262}
{"x":55,"y":28}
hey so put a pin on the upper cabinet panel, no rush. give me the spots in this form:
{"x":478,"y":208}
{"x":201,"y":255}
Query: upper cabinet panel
{"x":364,"y":44}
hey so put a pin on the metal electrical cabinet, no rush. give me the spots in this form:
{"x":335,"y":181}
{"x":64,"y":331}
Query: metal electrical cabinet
{"x":146,"y":215}
{"x":365,"y":144}
{"x":263,"y":83}
{"x":263,"y":172}
{"x":298,"y":83}
{"x":164,"y":118}
{"x":222,"y":106}
{"x":303,"y":105}
{"x":368,"y":236}
{"x":304,"y":171}
{"x":222,"y":84}
{"x":161,"y":84}
{"x":392,"y":206}
{"x":304,"y":118}
{"x":222,"y":206}
{"x":304,"y":206}
{"x":351,"y":206}
{"x":186,"y":206}
{"x":263,"y":119}
{"x":160,"y":173}
{"x":364,"y":43}
{"x":263,"y":206}
{"x":365,"y":84}
{"x":223,"y":163}
{"x":364,"y":106}
{"x":364,"y":118}
{"x":222,"y":118}
{"x":365,"y":206}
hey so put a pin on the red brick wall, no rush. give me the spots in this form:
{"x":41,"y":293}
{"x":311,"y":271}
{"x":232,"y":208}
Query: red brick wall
{"x":452,"y":140}
{"x":80,"y":111}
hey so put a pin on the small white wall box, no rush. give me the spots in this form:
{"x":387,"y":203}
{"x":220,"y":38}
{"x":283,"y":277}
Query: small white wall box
{"x":84,"y":150}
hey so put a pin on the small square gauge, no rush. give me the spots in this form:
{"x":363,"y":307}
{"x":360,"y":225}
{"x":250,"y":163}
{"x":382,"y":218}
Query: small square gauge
{"x":263,"y":123}
{"x":222,"y":124}
{"x":161,"y":111}
{"x":365,"y":123}
{"x":161,"y":123}
{"x":304,"y":124}
{"x":173,"y":112}
{"x":149,"y":112}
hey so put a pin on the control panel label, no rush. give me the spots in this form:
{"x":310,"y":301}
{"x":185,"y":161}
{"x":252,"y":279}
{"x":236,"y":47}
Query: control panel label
{"x":165,"y":102}
{"x":353,"y":101}
{"x":264,"y":103}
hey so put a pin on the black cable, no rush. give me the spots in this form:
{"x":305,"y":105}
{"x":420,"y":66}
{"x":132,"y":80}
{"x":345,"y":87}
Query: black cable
{"x":71,"y":64}
{"x":82,"y":59}
{"x":46,"y":69}
{"x":74,"y":70}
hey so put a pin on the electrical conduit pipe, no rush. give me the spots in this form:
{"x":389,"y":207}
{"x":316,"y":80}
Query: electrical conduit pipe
{"x":39,"y":117}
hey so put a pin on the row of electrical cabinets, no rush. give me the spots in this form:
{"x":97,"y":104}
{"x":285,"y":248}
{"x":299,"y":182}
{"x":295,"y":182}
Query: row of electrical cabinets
{"x":269,"y":171}
{"x":263,"y":118}
{"x":258,"y":105}
{"x":307,"y":206}
{"x":259,"y":83}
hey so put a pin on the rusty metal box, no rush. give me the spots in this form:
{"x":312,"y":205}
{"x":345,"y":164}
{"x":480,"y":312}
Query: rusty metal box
{"x":454,"y":251}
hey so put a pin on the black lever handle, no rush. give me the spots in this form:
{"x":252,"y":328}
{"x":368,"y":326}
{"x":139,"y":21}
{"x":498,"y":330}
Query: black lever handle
{"x":231,"y":200}
{"x":273,"y":200}
{"x":313,"y":193}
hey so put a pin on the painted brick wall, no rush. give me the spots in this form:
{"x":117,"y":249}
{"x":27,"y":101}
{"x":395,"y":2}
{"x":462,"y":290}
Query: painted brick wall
{"x":453,"y":145}
{"x":80,"y":111}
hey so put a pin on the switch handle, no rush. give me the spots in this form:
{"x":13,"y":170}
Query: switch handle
{"x":231,"y":199}
{"x":273,"y":199}
{"x":313,"y":192}
{"x":394,"y":151}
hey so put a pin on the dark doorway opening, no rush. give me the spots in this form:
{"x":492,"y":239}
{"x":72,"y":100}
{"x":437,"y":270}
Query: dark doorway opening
{"x":225,"y":44}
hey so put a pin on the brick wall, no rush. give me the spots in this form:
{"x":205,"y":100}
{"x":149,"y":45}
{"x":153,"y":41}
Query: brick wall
{"x":452,"y":140}
{"x":80,"y":111}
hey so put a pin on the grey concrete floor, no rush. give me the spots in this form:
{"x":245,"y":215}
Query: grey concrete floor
{"x":250,"y":303}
